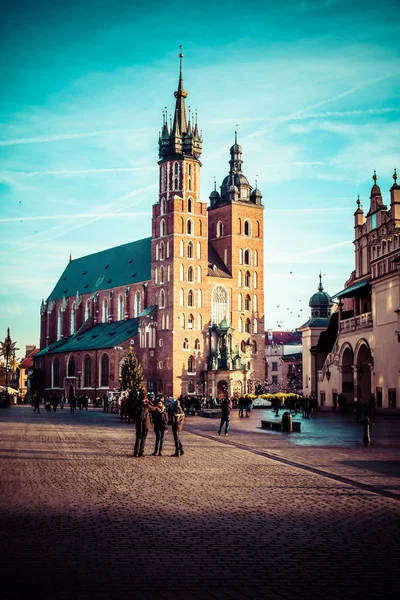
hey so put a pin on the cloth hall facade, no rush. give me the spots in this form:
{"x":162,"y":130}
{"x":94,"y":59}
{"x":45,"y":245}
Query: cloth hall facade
{"x":189,"y":299}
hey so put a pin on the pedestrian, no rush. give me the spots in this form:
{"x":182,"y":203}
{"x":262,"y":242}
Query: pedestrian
{"x":54,"y":402}
{"x":241,"y":406}
{"x":160,"y":423}
{"x":226,"y":407}
{"x":142,"y":425}
{"x":177,"y":419}
{"x":248,"y":405}
{"x":72,"y":402}
{"x":47,"y":404}
{"x":62,"y":401}
{"x":36,"y":402}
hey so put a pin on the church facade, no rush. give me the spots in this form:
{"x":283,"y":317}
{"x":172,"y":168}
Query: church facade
{"x":189,"y":299}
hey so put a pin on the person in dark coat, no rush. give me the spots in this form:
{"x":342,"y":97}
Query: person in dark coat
{"x":160,"y":422}
{"x":177,"y":421}
{"x":142,"y":423}
{"x":226,"y":406}
{"x":36,"y":402}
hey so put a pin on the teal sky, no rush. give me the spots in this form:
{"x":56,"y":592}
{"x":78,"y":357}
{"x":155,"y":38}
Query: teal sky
{"x":312,"y":85}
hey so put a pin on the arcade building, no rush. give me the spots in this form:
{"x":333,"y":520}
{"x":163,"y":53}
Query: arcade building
{"x":189,"y":299}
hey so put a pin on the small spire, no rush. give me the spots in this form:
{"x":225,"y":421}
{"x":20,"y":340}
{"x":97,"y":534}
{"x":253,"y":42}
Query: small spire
{"x":215,"y":184}
{"x":320,"y":287}
{"x":236,"y":134}
{"x":375,"y":177}
{"x":358,"y":201}
{"x":70,"y":256}
{"x":256,"y":181}
{"x":395,"y":176}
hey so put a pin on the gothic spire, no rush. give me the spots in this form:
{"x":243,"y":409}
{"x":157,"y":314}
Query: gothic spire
{"x":180,"y":122}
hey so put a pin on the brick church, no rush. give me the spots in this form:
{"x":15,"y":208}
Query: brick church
{"x":189,"y":299}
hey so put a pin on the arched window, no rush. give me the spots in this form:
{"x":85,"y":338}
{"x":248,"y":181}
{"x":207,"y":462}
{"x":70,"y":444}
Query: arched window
{"x":258,"y":229}
{"x":155,"y":275}
{"x":104,"y":371}
{"x":190,"y":250}
{"x":190,"y":275}
{"x":59,"y":323}
{"x":190,"y":202}
{"x":71,"y":366}
{"x":157,"y":253}
{"x":162,"y":251}
{"x":185,"y":344}
{"x":199,"y":298}
{"x":162,"y":323}
{"x":219,"y":304}
{"x":162,"y":275}
{"x":198,"y":274}
{"x":190,"y":298}
{"x":200,"y":227}
{"x":136,"y":311}
{"x":255,"y":326}
{"x":162,"y":206}
{"x":167,"y":249}
{"x":190,"y":364}
{"x":254,"y":347}
{"x":199,"y":322}
{"x":120,"y":308}
{"x":255,"y":303}
{"x":87,"y":309}
{"x":197,"y":344}
{"x":176,"y":168}
{"x":247,"y":326}
{"x":181,"y":297}
{"x":239,"y":301}
{"x":55,"y":373}
{"x":255,"y":258}
{"x":87,"y":371}
{"x":104,"y":315}
{"x":191,"y":322}
{"x":162,"y":299}
{"x":240,"y":256}
{"x":247,"y":279}
{"x":220,"y":229}
{"x":72,"y":322}
{"x":198,"y":250}
{"x":247,"y":257}
{"x":163,"y":229}
{"x":247,"y":303}
{"x":183,"y":321}
{"x":247,"y":227}
{"x":168,"y":273}
{"x":176,"y":183}
{"x":255,"y":280}
{"x":240,"y":225}
{"x":189,"y":227}
{"x":240,"y":325}
{"x":167,"y":322}
{"x":191,"y":386}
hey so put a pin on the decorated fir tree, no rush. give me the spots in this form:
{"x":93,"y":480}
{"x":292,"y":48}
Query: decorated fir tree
{"x":132,"y":374}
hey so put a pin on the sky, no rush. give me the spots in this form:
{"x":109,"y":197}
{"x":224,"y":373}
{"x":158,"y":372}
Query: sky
{"x":312,"y":87}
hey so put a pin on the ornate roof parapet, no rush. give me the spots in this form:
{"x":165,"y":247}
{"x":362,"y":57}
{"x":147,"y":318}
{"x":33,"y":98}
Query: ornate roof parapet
{"x":43,"y":307}
{"x":78,"y":299}
{"x":127,"y":290}
{"x":64,"y":304}
{"x":50,"y":305}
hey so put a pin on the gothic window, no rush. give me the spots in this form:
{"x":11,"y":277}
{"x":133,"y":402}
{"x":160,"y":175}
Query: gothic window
{"x":162,"y":323}
{"x":190,"y":298}
{"x":190,"y":275}
{"x":190,"y":202}
{"x":255,"y":326}
{"x":255,"y":279}
{"x":199,"y":298}
{"x":182,"y":321}
{"x":190,"y":250}
{"x":104,"y":371}
{"x":155,"y":275}
{"x":240,"y":256}
{"x":56,"y":373}
{"x":240,"y":225}
{"x":181,"y":271}
{"x":175,"y":183}
{"x":239,"y":301}
{"x":240,"y":325}
{"x":199,"y":322}
{"x":255,"y":303}
{"x":59,"y":323}
{"x":168,"y":273}
{"x":162,"y":251}
{"x":198,"y":250}
{"x":167,"y":322}
{"x":137,"y":305}
{"x":181,"y":297}
{"x":167,"y":249}
{"x":200,"y":227}
{"x":255,"y":258}
{"x":182,"y":225}
{"x":191,"y":387}
{"x":163,"y":229}
{"x":254,"y":347}
{"x":191,"y":322}
{"x":156,"y":251}
{"x":163,"y":206}
{"x":176,"y":168}
{"x":197,"y":344}
{"x":71,"y":366}
{"x":247,"y":303}
{"x":247,"y":326}
{"x":247,"y":257}
{"x":189,"y":227}
{"x":258,"y":229}
{"x":87,"y":309}
{"x":120,"y":307}
{"x":190,"y":185}
{"x":190,"y":364}
{"x":198,"y":274}
{"x":247,"y":227}
{"x":162,"y":275}
{"x":185,"y":345}
{"x":162,"y":299}
{"x":247,"y":279}
{"x":104,"y":315}
{"x":87,"y":371}
{"x":72,"y":323}
{"x":219,"y":304}
{"x":220,"y":229}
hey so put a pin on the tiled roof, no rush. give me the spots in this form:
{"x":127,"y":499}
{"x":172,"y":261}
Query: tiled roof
{"x":316,"y":322}
{"x":27,"y":363}
{"x":216,"y":268}
{"x":283,"y":337}
{"x":102,"y":335}
{"x":114,"y":267}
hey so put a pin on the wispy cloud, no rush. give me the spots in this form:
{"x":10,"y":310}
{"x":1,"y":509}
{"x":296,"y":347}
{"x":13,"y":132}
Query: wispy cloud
{"x":59,"y":137}
{"x":76,"y":172}
{"x":102,"y":215}
{"x":288,"y":258}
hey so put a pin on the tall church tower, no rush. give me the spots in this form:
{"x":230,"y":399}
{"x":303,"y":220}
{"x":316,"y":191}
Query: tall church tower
{"x":179,"y":249}
{"x":235,"y":230}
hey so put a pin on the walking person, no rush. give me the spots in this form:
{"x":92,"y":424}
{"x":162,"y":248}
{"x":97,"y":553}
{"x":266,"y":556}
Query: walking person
{"x":248,"y":405}
{"x":226,"y":407}
{"x":160,"y":422}
{"x":36,"y":402}
{"x":142,"y":424}
{"x":62,"y":401}
{"x":177,"y":420}
{"x":72,"y":402}
{"x":54,"y":402}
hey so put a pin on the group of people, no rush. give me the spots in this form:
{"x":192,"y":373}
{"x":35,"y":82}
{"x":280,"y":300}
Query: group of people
{"x":146,"y":413}
{"x":51,"y":402}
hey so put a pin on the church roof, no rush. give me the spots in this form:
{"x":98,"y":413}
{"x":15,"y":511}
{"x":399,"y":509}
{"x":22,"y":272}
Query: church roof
{"x":216,"y":267}
{"x":114,"y":267}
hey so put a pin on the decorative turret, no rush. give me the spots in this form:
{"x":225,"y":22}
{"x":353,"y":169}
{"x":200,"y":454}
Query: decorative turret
{"x":183,"y":138}
{"x":359,"y":218}
{"x":395,"y":200}
{"x":320,"y":302}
